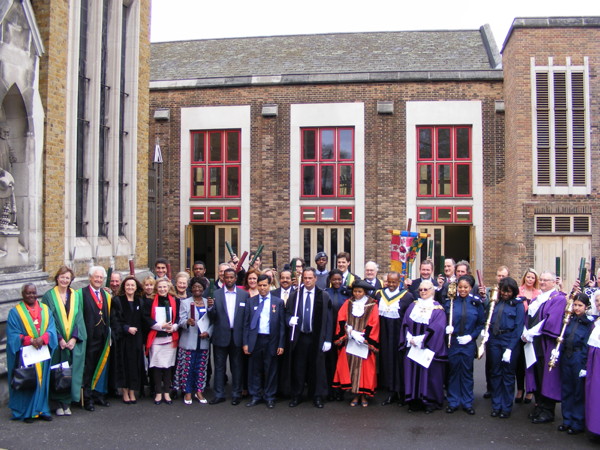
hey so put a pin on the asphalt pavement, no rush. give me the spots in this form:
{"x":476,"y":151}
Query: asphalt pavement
{"x":337,"y":426}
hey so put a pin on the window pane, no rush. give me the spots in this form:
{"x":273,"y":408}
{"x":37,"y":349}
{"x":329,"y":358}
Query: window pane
{"x":345,"y":214}
{"x":198,"y":147}
{"x":463,"y":215}
{"x":309,"y":180}
{"x":425,"y":182}
{"x":463,"y":177}
{"x":221,"y":233}
{"x":233,"y":146}
{"x":198,"y":182}
{"x":444,"y":214}
{"x":426,"y":214}
{"x":326,"y":180}
{"x":233,"y":181}
{"x":309,"y":215}
{"x":306,"y":252}
{"x":215,"y":147}
{"x":215,"y":214}
{"x":320,"y":239}
{"x":198,"y":215}
{"x":348,"y":240}
{"x":232,"y":215}
{"x":215,"y":181}
{"x":444,"y":180}
{"x":308,"y":142}
{"x":235,"y":237}
{"x":463,"y":144}
{"x":425,"y":143}
{"x":345,"y":180}
{"x":327,"y":139}
{"x":443,"y":147}
{"x":334,"y":243}
{"x":328,"y":214}
{"x":346,"y":144}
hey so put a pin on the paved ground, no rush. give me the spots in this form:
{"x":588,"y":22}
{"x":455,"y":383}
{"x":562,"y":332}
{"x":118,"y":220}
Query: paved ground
{"x":337,"y":426}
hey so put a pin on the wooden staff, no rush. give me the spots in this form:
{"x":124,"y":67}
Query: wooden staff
{"x":560,"y":338}
{"x":257,"y":254}
{"x":451,"y":296}
{"x":241,"y":261}
{"x":298,"y":297}
{"x":131,"y":267}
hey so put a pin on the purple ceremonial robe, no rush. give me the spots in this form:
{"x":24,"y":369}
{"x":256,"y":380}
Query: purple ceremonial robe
{"x":421,"y":383}
{"x":592,"y":389}
{"x":553,"y":312}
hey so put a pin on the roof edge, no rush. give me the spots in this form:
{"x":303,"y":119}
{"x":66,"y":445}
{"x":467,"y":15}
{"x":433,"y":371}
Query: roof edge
{"x":551,"y":22}
{"x":490,"y":46}
{"x":328,"y":78}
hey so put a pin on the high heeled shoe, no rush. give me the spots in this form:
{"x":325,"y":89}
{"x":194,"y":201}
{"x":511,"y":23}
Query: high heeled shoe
{"x":519,"y":398}
{"x":528,"y":398}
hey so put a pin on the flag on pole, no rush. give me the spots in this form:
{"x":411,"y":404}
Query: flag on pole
{"x":404,"y":248}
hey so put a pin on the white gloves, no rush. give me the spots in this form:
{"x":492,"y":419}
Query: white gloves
{"x":485,"y":334}
{"x":526,"y":337}
{"x":408,"y":337}
{"x":449,"y":329}
{"x":506,"y":355}
{"x":582,"y":373}
{"x":293,"y":321}
{"x":464,"y":340}
{"x":326,"y":346}
{"x":554,"y":354}
{"x":357,"y":336}
{"x":418,"y":340}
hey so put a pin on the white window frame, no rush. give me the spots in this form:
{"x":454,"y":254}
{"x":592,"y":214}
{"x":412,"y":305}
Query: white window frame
{"x":568,"y":69}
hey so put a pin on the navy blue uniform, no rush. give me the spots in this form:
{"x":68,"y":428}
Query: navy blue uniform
{"x":505,"y":331}
{"x":573,"y":359}
{"x":467,"y":319}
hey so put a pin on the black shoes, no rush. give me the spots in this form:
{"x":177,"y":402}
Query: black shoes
{"x":563,"y":427}
{"x":102,"y":402}
{"x":253,"y":402}
{"x":216,"y":400}
{"x":318,"y":403}
{"x":271,"y":404}
{"x":504,"y":415}
{"x":487,"y":394}
{"x":495,"y":413}
{"x":295,"y":401}
{"x":471,"y":411}
{"x":89,"y":406}
{"x":235,"y":401}
{"x":450,"y":409}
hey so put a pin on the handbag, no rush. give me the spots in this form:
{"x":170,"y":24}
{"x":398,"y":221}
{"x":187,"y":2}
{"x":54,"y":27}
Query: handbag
{"x":23,"y":378}
{"x":60,"y":379}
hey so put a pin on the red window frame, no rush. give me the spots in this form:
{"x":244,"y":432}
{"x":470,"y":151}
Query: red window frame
{"x":336,"y":162}
{"x":455,"y":213}
{"x":436,"y":161}
{"x":319,"y":217}
{"x":193,"y":219}
{"x":221,"y":164}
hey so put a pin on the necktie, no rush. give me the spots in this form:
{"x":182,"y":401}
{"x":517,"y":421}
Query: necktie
{"x":306,"y":314}
{"x":496,"y":328}
{"x":257,"y":314}
{"x":284,"y":296}
{"x":463,"y":317}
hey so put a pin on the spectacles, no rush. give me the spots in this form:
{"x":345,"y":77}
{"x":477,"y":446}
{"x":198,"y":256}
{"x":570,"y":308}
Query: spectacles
{"x":424,"y":289}
{"x":546,"y":279}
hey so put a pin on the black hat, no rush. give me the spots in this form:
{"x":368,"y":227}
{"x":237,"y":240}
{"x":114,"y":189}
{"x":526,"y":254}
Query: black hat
{"x":320,"y":255}
{"x":363,"y":285}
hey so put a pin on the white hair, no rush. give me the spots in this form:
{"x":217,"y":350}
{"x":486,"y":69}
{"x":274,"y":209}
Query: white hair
{"x":95,"y":269}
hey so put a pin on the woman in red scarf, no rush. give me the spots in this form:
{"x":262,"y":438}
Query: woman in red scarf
{"x":162,"y":315}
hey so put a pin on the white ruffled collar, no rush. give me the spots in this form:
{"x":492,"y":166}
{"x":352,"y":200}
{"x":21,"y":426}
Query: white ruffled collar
{"x":358,"y":306}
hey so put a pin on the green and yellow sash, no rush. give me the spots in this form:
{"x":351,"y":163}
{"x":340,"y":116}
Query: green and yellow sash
{"x":32,"y":330}
{"x":66,"y":322}
{"x":100,"y":375}
{"x":388,"y":301}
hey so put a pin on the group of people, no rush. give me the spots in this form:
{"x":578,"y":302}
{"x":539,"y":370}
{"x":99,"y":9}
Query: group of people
{"x":307,"y":333}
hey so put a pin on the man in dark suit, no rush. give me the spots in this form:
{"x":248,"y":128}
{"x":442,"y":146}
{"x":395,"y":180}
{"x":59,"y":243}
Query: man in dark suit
{"x":371,"y":270}
{"x":264,"y":338}
{"x":286,"y":287}
{"x":308,"y":313}
{"x":227,"y":315}
{"x":96,"y":314}
{"x":426,"y":273}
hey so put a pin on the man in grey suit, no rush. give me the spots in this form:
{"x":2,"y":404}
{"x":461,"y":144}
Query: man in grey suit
{"x":227,"y":315}
{"x":264,"y":339}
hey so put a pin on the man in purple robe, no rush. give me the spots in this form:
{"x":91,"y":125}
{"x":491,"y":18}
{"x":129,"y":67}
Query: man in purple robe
{"x":592,"y":388}
{"x":549,"y":308}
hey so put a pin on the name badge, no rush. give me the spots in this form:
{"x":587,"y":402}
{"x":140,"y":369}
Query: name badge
{"x":242,"y":304}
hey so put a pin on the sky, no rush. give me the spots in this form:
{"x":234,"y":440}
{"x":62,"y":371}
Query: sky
{"x":174,"y":20}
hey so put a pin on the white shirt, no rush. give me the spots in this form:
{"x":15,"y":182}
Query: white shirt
{"x":230,"y":299}
{"x":263,"y":324}
{"x":538,"y":301}
{"x":392,"y":310}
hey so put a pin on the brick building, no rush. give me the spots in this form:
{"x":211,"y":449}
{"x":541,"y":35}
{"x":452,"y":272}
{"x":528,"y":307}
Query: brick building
{"x":304,"y":143}
{"x":73,"y":112}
